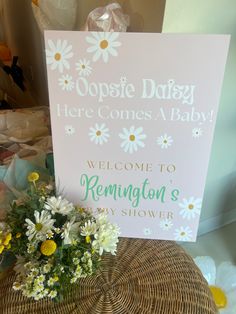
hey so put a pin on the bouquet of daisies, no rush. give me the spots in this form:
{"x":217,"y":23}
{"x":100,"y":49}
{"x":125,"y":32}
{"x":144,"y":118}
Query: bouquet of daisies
{"x":55,"y":242}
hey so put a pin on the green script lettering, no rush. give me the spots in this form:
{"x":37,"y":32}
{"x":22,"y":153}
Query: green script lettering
{"x":94,"y":189}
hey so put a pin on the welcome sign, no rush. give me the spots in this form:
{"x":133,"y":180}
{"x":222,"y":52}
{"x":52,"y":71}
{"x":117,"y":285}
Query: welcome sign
{"x":133,"y":117}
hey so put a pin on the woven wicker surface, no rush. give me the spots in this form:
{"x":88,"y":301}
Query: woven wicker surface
{"x":145,"y":276}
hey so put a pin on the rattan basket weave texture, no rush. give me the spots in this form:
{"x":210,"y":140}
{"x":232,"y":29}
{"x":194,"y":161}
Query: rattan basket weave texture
{"x":146,"y":276}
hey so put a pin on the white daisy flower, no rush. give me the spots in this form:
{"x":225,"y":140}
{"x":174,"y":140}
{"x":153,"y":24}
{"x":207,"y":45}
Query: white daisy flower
{"x":103,"y":45}
{"x":147,"y":231}
{"x":99,"y":134}
{"x":69,"y":129}
{"x":49,"y":234}
{"x":52,"y":294}
{"x":83,"y":67}
{"x":183,"y":234}
{"x":166,"y":224}
{"x":58,"y":205}
{"x":70,"y":231}
{"x":221,"y":281}
{"x":38,"y":229}
{"x":57,"y":230}
{"x":132,"y":139}
{"x":58,"y":54}
{"x":190,"y":208}
{"x":66,"y":82}
{"x":88,"y":229}
{"x":197,"y":132}
{"x":46,"y":268}
{"x":164,"y":141}
{"x":106,"y":240}
{"x":17,"y":286}
{"x":106,"y":237}
{"x":31,"y":248}
{"x":101,"y":219}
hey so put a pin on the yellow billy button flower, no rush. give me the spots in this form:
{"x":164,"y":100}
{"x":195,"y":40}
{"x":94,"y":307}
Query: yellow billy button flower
{"x":7,"y":239}
{"x":48,"y":247}
{"x":18,"y":235}
{"x":33,"y":176}
{"x":1,"y":248}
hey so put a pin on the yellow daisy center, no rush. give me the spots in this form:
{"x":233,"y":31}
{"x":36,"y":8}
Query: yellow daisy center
{"x":165,"y":141}
{"x":38,"y":226}
{"x":48,"y":247}
{"x":190,"y":206}
{"x":33,"y":176}
{"x":83,"y":66}
{"x":182,"y":233}
{"x":132,"y":138}
{"x":219,"y":297}
{"x":104,"y":44}
{"x":87,"y":239}
{"x":57,"y":56}
{"x":98,"y":133}
{"x":66,"y":82}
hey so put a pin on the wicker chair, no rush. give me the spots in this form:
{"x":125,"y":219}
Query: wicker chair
{"x":145,"y":276}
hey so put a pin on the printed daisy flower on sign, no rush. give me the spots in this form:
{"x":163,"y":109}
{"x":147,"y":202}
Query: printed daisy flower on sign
{"x":196,"y":132}
{"x":221,"y":281}
{"x":183,"y":234}
{"x":166,"y":224}
{"x":103,"y":45}
{"x":99,"y":134}
{"x":164,"y":141}
{"x":69,"y":129}
{"x":132,"y":139}
{"x":58,"y":54}
{"x":83,"y":67}
{"x":66,"y":82}
{"x":190,"y":208}
{"x":147,"y":231}
{"x":123,"y":80}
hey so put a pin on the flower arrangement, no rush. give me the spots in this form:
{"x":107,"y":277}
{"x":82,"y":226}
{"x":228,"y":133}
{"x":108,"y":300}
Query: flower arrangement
{"x":55,"y":242}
